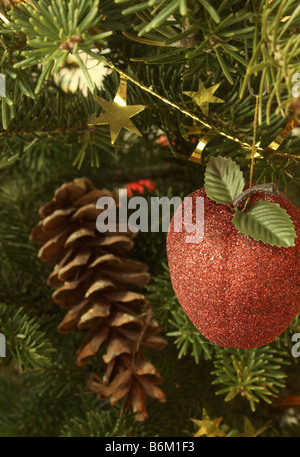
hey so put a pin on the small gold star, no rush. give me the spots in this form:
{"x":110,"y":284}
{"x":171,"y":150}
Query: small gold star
{"x":203,"y":97}
{"x":208,"y":427}
{"x":195,"y":130}
{"x":117,"y":114}
{"x":256,"y":154}
{"x":250,"y":431}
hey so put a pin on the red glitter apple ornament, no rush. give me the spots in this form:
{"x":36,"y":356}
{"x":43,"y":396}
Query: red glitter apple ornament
{"x":240,"y":285}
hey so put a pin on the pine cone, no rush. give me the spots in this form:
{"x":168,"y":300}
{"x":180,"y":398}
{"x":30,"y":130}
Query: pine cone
{"x":91,"y":272}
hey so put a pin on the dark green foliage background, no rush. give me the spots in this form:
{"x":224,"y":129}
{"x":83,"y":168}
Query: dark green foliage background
{"x":42,"y":391}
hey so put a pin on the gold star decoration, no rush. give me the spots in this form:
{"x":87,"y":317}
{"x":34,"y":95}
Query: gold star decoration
{"x":208,"y":427}
{"x":117,"y":114}
{"x":203,"y":97}
{"x":196,"y":130}
{"x":257,"y":155}
{"x":250,"y":431}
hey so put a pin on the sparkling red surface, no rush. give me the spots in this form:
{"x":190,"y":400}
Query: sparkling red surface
{"x":238,"y":292}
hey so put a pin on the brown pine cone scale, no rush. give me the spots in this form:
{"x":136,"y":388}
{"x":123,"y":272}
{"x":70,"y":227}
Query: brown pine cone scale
{"x":92,"y":271}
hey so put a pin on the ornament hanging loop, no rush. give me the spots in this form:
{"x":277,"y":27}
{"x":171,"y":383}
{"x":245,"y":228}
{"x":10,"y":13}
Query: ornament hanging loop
{"x":253,"y":150}
{"x":250,"y":89}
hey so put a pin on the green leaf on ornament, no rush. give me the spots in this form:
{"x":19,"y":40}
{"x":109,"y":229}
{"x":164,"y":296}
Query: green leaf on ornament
{"x":223,"y":180}
{"x":267,"y":222}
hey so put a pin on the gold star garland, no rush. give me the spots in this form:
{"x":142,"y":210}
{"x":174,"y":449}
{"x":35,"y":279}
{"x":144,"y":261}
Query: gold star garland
{"x":282,"y":135}
{"x":117,"y":114}
{"x":250,"y":431}
{"x":175,"y":106}
{"x":211,"y":131}
{"x":203,"y":97}
{"x":207,"y":136}
{"x":211,"y":427}
{"x":207,"y":426}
